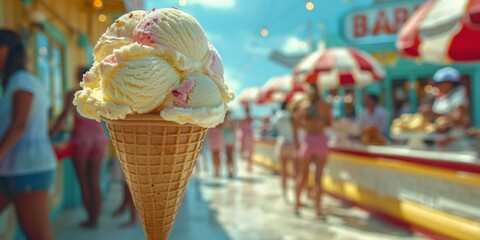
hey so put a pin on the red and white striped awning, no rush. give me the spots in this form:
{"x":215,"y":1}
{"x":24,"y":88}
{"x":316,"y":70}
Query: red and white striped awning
{"x":343,"y":67}
{"x":443,"y":31}
{"x":276,"y":89}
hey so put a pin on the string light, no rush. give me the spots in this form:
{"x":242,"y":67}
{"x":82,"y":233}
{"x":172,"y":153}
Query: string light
{"x":264,"y":32}
{"x":97,"y":3}
{"x":102,"y":18}
{"x":309,"y":5}
{"x":182,"y":3}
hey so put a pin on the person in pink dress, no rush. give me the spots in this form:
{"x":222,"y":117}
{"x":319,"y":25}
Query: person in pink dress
{"x":216,"y":145}
{"x":246,"y":140}
{"x":90,"y":144}
{"x":229,"y":129}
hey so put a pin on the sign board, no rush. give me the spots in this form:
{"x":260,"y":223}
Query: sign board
{"x":378,"y":23}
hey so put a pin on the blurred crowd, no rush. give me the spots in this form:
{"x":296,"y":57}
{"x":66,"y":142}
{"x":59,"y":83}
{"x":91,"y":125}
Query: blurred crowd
{"x":304,"y":127}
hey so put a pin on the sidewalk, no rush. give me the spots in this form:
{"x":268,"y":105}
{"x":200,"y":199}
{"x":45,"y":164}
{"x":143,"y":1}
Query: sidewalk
{"x":248,"y":206}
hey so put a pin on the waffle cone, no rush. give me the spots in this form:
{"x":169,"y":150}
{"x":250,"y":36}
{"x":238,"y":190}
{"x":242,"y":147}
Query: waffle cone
{"x":157,"y":158}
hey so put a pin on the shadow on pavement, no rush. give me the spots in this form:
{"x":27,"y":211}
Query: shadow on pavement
{"x":248,"y":179}
{"x":195,"y":219}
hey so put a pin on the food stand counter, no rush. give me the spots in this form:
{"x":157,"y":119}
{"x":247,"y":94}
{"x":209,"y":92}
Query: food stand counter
{"x":436,"y":192}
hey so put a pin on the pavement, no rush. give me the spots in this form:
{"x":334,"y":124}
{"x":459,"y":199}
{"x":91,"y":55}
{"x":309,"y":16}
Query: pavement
{"x":248,"y":206}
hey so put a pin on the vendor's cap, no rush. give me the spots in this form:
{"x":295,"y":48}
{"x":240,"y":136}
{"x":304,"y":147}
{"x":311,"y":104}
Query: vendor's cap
{"x":447,"y":74}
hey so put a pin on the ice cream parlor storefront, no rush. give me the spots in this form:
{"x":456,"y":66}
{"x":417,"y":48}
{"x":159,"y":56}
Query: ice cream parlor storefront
{"x":434,"y":191}
{"x":59,"y":36}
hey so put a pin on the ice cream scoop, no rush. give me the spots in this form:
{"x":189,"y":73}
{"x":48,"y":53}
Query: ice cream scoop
{"x":197,"y":101}
{"x":175,"y":30}
{"x":215,"y":64}
{"x":119,"y":34}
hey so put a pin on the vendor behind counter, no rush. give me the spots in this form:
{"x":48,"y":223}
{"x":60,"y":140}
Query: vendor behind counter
{"x":449,"y":108}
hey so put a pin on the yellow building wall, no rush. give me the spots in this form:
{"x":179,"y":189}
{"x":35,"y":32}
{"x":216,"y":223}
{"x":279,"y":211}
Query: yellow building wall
{"x":71,"y":18}
{"x":2,"y":8}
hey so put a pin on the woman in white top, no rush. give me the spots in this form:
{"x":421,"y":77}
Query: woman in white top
{"x":27,"y":160}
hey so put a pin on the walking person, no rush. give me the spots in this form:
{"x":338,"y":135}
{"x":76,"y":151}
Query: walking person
{"x":127,"y":203}
{"x":229,"y":130}
{"x":246,"y":129}
{"x":27,"y":160}
{"x":216,"y":146}
{"x":284,"y":146}
{"x":90,"y":143}
{"x":313,"y":148}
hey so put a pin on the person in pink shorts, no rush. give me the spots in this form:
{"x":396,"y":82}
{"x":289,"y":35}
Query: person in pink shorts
{"x":314,"y":119}
{"x":90,"y":144}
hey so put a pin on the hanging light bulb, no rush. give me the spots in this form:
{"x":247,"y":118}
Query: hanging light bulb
{"x":98,"y":4}
{"x":182,"y":3}
{"x":102,"y":18}
{"x":264,"y":32}
{"x":309,"y":5}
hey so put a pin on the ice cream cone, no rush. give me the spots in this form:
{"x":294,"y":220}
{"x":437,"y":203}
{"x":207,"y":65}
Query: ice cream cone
{"x":157,"y":158}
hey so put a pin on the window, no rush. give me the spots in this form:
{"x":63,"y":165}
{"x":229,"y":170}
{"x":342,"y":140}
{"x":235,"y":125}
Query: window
{"x":49,"y":69}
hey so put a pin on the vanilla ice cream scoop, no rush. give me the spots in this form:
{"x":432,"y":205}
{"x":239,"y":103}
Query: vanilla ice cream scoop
{"x":196,"y":91}
{"x":137,"y":77}
{"x":173,"y":29}
{"x":119,"y":34}
{"x":197,"y":100}
{"x":215,"y":64}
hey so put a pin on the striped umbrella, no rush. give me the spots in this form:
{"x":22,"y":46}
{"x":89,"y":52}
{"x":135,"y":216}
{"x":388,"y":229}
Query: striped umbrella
{"x":250,"y":95}
{"x":343,"y":67}
{"x":443,"y":31}
{"x":306,"y":65}
{"x":276,"y":89}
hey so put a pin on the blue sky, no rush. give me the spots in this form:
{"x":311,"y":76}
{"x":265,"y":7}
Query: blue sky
{"x":233,"y":26}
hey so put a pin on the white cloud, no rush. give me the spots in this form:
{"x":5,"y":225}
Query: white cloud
{"x":234,"y":82}
{"x":295,"y":45}
{"x":223,"y":4}
{"x":215,"y":38}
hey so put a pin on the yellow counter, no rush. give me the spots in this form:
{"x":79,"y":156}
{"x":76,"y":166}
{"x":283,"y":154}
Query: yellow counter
{"x":436,"y":193}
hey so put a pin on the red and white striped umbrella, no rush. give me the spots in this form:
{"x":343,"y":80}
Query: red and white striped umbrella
{"x":306,"y":66}
{"x":250,"y":95}
{"x":277,"y":88}
{"x":443,"y":31}
{"x":343,"y":67}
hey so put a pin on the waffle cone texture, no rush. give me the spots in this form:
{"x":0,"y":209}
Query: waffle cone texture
{"x":157,"y":158}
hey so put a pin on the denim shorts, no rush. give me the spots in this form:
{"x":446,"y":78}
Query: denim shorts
{"x":13,"y":185}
